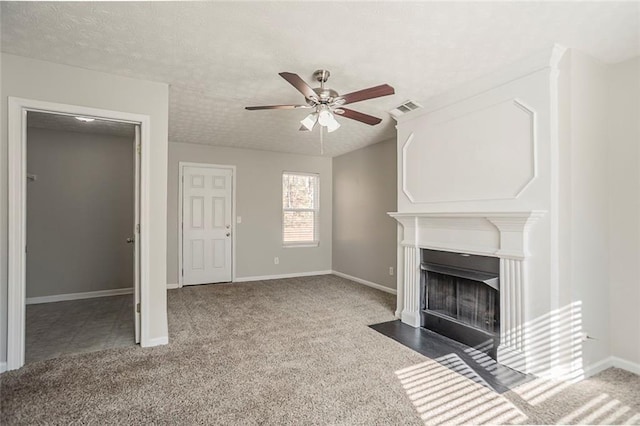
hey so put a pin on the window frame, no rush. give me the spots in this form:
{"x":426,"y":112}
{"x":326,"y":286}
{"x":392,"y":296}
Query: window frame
{"x":315,"y":210}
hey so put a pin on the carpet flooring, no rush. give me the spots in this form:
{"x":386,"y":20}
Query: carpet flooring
{"x":293,"y":351}
{"x":76,"y":326}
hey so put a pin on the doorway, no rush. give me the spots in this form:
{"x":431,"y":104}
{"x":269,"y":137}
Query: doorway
{"x":81,"y":216}
{"x":206,"y":231}
{"x":18,"y":109}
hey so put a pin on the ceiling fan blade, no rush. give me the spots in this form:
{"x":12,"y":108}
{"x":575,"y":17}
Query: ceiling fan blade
{"x":355,"y":115}
{"x":299,"y":83}
{"x":364,"y":94}
{"x":253,"y":108}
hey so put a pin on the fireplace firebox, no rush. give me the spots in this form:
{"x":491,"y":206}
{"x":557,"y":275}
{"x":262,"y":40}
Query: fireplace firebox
{"x":460,"y":298}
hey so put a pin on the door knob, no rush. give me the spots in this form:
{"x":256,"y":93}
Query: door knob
{"x":228,"y":234}
{"x":131,"y":240}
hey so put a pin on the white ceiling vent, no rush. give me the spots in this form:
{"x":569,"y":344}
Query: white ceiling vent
{"x":406,"y":107}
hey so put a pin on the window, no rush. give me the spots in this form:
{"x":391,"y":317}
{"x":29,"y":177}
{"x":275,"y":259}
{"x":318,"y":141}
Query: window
{"x":300,"y":209}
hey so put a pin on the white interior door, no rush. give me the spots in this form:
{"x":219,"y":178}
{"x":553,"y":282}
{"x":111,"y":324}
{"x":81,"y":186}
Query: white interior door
{"x":136,"y":235}
{"x":206,"y":225}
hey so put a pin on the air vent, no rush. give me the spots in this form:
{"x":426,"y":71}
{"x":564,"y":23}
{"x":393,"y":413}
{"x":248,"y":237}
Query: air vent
{"x":406,"y":107}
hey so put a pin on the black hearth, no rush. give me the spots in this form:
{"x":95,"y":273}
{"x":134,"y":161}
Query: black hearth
{"x":460,"y":298}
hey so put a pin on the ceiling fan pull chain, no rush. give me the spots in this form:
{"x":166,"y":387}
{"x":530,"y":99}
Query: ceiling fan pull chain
{"x":321,"y":140}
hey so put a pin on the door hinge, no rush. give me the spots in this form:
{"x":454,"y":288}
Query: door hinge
{"x":137,"y":307}
{"x":182,"y":272}
{"x":138,"y":149}
{"x":138,"y":228}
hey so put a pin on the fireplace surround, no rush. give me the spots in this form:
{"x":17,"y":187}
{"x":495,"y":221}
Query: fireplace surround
{"x":502,"y":235}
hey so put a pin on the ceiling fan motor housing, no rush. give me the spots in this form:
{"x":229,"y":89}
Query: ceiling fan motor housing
{"x":321,"y":75}
{"x":325,"y":95}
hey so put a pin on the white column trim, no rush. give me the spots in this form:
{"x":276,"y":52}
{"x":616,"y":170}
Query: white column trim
{"x":411,"y":310}
{"x":511,"y":351}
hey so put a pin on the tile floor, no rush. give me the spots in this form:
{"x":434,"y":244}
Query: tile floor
{"x":75,"y":326}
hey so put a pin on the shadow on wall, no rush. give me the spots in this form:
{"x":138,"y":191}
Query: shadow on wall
{"x":553,"y":344}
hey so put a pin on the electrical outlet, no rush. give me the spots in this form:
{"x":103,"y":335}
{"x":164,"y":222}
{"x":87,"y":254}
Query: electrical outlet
{"x":276,"y":260}
{"x":391,"y":270}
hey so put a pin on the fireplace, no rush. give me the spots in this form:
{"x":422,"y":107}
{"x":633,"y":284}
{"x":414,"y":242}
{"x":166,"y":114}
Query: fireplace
{"x":501,"y":237}
{"x":460,"y":298}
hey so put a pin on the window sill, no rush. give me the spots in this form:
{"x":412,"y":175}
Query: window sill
{"x":300,"y":245}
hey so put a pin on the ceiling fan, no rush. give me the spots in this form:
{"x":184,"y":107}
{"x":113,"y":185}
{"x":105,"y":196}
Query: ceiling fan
{"x":326,"y":102}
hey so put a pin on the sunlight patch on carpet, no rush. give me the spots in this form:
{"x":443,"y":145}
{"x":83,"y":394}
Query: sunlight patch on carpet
{"x":455,"y":394}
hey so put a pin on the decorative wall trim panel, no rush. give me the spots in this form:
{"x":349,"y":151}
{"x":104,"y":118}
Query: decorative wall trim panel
{"x":404,"y":168}
{"x":458,"y":159}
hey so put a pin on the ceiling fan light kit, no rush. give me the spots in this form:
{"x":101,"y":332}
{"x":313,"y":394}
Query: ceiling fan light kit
{"x":327,"y":102}
{"x":309,"y":122}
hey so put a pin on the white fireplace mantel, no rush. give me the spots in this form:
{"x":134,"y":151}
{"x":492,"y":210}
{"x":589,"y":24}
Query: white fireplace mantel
{"x":499,"y":234}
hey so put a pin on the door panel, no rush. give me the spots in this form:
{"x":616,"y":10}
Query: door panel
{"x":207,"y":225}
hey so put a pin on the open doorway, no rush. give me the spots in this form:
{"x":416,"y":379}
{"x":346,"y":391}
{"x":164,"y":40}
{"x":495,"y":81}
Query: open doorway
{"x":81,"y":214}
{"x":18,"y":108}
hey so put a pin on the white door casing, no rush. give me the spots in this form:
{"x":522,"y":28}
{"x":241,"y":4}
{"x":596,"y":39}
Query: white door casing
{"x":206,"y":225}
{"x":16,"y":288}
{"x":137,"y":151}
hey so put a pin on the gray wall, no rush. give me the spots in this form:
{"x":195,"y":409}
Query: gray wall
{"x":259,"y":204}
{"x":79,"y":212}
{"x":364,"y":190}
{"x":46,"y":81}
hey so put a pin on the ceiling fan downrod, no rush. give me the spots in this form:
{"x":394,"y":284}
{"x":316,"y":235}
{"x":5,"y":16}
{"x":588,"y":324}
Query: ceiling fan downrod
{"x":322,"y":76}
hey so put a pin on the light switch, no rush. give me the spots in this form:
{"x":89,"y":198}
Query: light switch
{"x":239,"y":219}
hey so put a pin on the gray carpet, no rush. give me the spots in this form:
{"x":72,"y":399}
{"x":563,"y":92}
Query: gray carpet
{"x":76,"y":326}
{"x":295,"y":351}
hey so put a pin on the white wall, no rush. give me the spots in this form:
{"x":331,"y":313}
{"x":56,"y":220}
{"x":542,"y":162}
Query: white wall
{"x":623,"y":187}
{"x":80,"y":212}
{"x":487,"y":146}
{"x":583,"y":268}
{"x":587,"y":227}
{"x":364,"y":236}
{"x":259,"y":204}
{"x":46,"y":81}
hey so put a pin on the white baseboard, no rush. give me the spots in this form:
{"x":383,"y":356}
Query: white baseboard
{"x":172,"y":286}
{"x":612,"y":361}
{"x":365,"y":282}
{"x":596,"y":368}
{"x":77,"y":296}
{"x":157,"y":341}
{"x":281,"y":276}
{"x":3,"y":367}
{"x":626,"y":365}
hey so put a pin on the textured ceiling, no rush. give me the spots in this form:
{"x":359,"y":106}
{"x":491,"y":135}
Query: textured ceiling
{"x":43,"y":120}
{"x":221,"y":56}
